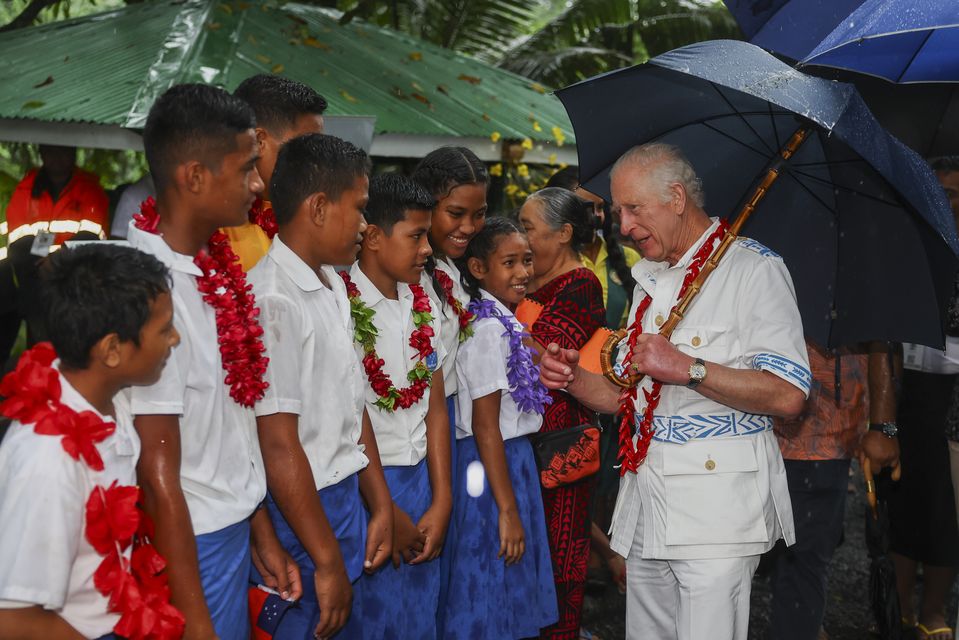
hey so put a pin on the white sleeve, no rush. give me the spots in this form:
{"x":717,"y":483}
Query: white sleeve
{"x":481,"y":360}
{"x":770,"y":324}
{"x":284,"y":340}
{"x":41,"y":508}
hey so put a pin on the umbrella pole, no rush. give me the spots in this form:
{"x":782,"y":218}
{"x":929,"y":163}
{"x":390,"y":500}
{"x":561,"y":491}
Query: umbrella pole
{"x":676,"y":315}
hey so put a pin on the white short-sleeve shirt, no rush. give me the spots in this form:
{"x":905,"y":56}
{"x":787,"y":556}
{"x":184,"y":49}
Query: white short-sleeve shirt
{"x":221,"y":471}
{"x":313,"y":371}
{"x":449,"y":321}
{"x":46,"y":559}
{"x":481,"y":370}
{"x":400,"y":434}
{"x":745,"y":317}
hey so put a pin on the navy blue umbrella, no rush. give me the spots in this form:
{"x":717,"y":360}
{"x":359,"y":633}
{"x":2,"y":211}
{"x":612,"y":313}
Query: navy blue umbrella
{"x":859,"y":218}
{"x":792,"y":28}
{"x":915,"y":41}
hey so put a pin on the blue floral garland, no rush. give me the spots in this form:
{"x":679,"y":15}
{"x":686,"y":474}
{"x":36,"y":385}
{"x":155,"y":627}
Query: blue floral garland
{"x":524,"y":385}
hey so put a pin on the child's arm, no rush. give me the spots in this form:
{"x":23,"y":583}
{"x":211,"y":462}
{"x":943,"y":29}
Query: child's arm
{"x":291,"y":483}
{"x":434,"y":522}
{"x":489,"y":445}
{"x":35,"y":623}
{"x":158,"y":473}
{"x":277,"y":568}
{"x":376,"y":494}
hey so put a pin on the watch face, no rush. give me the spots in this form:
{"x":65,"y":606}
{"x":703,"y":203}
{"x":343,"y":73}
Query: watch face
{"x":697,"y":371}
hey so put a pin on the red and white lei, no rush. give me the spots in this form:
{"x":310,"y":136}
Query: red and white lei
{"x":136,"y":587}
{"x":631,"y":456}
{"x":463,"y":314}
{"x":224,"y":287}
{"x":365,"y":333}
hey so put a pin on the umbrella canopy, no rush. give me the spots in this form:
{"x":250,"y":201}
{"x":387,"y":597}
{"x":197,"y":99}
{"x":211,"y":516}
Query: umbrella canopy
{"x":859,"y":218}
{"x":913,"y":41}
{"x":792,"y":28}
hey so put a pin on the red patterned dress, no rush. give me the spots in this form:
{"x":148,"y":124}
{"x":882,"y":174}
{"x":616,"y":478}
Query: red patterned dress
{"x":572,"y":311}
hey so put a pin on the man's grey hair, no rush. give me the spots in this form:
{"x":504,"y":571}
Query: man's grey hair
{"x":667,"y":166}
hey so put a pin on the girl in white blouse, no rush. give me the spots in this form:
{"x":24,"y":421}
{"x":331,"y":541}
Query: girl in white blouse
{"x":501,"y":581}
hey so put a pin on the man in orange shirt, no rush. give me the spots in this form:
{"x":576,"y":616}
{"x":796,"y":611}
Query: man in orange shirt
{"x":58,"y":199}
{"x":284,"y":109}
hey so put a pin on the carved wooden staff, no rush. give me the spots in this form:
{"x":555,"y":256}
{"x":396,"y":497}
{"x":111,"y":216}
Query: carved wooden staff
{"x":607,"y":354}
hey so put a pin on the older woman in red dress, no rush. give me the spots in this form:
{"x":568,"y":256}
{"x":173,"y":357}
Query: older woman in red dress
{"x":558,"y":224}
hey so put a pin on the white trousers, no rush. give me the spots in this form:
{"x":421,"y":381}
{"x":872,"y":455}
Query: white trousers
{"x":687,"y":599}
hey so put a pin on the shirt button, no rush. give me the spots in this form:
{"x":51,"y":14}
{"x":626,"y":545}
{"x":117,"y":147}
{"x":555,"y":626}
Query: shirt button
{"x":696,"y":341}
{"x":660,"y":320}
{"x":710,"y":465}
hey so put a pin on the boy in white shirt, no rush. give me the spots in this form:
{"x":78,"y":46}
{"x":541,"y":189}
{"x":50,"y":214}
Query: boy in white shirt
{"x":109,"y":316}
{"x":312,"y":425}
{"x":200,"y":469}
{"x":397,"y":346}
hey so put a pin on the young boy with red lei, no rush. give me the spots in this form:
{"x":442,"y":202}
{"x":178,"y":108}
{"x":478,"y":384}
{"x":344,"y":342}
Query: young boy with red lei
{"x":399,"y":348}
{"x":284,"y":109}
{"x":201,"y":469}
{"x":318,"y":446}
{"x":76,"y":557}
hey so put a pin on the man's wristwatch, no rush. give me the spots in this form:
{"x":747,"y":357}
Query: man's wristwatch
{"x":888,"y":429}
{"x":697,"y":373}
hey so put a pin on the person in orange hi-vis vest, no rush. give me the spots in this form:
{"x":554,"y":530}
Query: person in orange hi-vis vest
{"x":59,"y":199}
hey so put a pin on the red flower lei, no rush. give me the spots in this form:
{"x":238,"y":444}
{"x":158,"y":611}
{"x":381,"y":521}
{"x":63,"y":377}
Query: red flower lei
{"x":136,"y":587}
{"x":464,"y":315}
{"x":224,"y":287}
{"x":263,"y":217}
{"x":365,"y":332}
{"x":632,"y":456}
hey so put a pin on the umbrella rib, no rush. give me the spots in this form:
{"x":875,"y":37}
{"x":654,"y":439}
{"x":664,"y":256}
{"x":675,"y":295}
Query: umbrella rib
{"x":758,"y":152}
{"x":915,"y":55}
{"x":769,"y":151}
{"x":842,"y":187}
{"x":827,"y":163}
{"x":772,"y":121}
{"x":814,"y":196}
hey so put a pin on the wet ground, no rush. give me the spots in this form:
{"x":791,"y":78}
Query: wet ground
{"x":847,"y":610}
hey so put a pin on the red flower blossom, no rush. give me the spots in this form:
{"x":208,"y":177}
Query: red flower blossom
{"x":112,"y":517}
{"x":464,"y":315}
{"x":81,"y":432}
{"x":263,"y":216}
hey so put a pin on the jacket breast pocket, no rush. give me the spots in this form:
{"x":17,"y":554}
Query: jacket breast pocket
{"x":699,"y":340}
{"x":712,"y":493}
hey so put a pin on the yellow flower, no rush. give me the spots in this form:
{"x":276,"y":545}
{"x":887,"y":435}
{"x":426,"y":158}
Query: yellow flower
{"x":496,"y":170}
{"x":562,"y":165}
{"x":495,"y":136}
{"x":536,"y":126}
{"x":522,"y":170}
{"x":511,"y":189}
{"x":522,"y":194}
{"x":552,"y":158}
{"x":558,"y":135}
{"x":527,"y":144}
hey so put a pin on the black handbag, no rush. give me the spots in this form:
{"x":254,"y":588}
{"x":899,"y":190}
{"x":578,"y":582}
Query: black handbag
{"x":566,"y":456}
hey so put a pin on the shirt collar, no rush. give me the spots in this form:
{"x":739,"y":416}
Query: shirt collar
{"x":292,"y":265}
{"x":371,"y":295}
{"x":601,"y":256}
{"x":154,"y":244}
{"x":502,"y":308}
{"x":644,"y":271}
{"x":72,"y":398}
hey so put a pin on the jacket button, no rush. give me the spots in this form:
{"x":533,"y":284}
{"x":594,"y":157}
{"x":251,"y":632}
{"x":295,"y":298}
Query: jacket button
{"x":660,"y":320}
{"x":696,"y":341}
{"x":710,"y":465}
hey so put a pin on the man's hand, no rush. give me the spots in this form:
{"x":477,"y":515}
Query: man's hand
{"x":379,"y":540}
{"x":334,"y":593}
{"x":882,"y":451}
{"x":557,"y":365}
{"x":433,"y":527}
{"x":278,"y":569}
{"x":658,"y":358}
{"x":408,"y":541}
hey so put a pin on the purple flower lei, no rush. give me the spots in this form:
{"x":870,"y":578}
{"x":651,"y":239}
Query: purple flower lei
{"x":523,"y":376}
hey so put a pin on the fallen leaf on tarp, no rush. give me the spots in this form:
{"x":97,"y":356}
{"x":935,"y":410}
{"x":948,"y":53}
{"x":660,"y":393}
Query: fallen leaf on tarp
{"x":251,"y":40}
{"x":225,"y":8}
{"x":422,"y":98}
{"x":537,"y":87}
{"x":213,"y":26}
{"x":277,"y":68}
{"x":416,"y":56}
{"x":399,"y":93}
{"x":416,"y":85}
{"x":264,"y":59}
{"x":347,"y":96}
{"x":470,"y":79}
{"x":316,"y":44}
{"x":442,"y":88}
{"x":49,"y":80}
{"x":33,"y":104}
{"x":486,"y":117}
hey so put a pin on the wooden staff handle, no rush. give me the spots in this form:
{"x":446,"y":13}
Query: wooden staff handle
{"x":607,"y":354}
